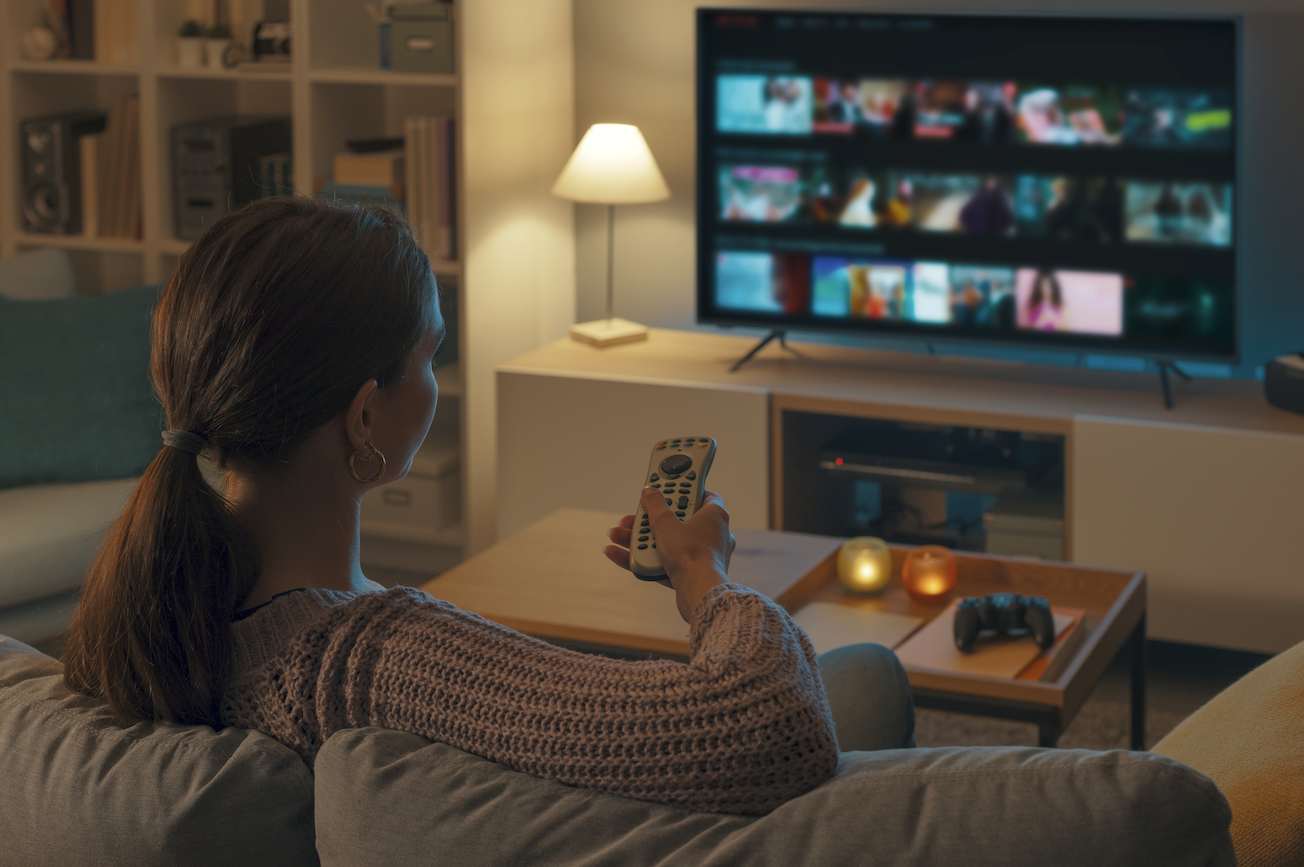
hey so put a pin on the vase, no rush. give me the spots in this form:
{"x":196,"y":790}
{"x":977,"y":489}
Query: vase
{"x":217,"y":50}
{"x":190,"y":51}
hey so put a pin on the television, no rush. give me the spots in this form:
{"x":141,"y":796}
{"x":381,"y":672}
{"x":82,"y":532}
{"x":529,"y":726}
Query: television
{"x":1055,"y":182}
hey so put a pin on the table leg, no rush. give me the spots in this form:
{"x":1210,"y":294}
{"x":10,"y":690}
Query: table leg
{"x":1138,"y":642}
{"x":1048,"y":731}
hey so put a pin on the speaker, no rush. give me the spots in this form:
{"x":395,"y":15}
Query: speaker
{"x":215,"y":166}
{"x":51,"y":150}
{"x":1283,"y":382}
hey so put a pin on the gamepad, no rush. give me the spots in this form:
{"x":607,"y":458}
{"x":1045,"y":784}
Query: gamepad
{"x":677,"y":468}
{"x":1004,"y":613}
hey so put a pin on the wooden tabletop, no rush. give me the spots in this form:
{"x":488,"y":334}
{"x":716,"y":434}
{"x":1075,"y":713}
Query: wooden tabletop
{"x":552,"y":580}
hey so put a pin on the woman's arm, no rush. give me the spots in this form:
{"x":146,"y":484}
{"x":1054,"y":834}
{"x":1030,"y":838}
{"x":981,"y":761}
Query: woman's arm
{"x":741,"y":728}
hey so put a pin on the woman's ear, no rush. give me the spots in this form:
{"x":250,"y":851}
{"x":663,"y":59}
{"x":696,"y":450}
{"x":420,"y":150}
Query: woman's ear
{"x":360,"y":416}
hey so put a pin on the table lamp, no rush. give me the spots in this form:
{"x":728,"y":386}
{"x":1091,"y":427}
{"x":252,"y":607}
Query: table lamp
{"x":612,"y":165}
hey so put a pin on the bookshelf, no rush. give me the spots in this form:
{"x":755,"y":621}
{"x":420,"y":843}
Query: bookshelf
{"x":333,"y":90}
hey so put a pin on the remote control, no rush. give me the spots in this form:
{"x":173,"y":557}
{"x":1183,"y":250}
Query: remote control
{"x":678,"y":469}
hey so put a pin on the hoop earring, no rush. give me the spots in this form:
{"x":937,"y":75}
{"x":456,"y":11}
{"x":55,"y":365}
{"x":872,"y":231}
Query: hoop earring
{"x":375,"y":453}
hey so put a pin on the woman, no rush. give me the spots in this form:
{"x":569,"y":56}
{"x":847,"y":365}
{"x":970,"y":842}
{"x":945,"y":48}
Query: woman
{"x":293,"y":347}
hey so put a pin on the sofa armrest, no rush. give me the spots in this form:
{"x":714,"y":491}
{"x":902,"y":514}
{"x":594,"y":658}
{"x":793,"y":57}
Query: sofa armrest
{"x":395,"y":798}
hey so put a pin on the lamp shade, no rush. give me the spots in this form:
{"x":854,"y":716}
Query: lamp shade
{"x":612,"y":166}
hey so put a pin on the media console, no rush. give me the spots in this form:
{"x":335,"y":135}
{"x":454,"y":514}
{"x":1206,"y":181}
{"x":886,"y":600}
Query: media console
{"x":1201,"y":497}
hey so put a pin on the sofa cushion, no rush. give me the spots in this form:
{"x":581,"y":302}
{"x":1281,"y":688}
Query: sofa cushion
{"x":38,"y":274}
{"x":48,"y":534}
{"x":81,"y":788}
{"x":76,"y":390}
{"x":1250,"y":739}
{"x":391,"y":798}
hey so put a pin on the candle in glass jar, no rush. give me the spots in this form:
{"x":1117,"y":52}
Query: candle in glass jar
{"x":864,"y":565}
{"x":928,"y":574}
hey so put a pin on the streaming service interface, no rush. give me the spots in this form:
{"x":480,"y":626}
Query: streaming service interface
{"x":1040,"y":180}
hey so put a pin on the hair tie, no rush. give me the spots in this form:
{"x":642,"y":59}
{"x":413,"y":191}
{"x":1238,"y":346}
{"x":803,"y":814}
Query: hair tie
{"x":184,"y":440}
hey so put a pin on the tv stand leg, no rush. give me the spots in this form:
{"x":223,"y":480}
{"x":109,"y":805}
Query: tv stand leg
{"x":774,"y":332}
{"x":1164,"y":367}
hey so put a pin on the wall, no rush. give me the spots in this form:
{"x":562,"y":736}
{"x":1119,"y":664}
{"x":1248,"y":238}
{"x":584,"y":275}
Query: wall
{"x":634,"y":63}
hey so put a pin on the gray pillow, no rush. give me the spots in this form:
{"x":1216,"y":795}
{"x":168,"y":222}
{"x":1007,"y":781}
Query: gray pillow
{"x":81,"y":788}
{"x":396,"y":799}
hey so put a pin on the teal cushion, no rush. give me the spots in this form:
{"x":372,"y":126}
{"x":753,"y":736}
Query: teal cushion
{"x":74,"y":384}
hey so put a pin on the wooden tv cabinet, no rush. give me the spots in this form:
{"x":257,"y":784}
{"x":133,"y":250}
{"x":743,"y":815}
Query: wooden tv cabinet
{"x":1202,"y":498}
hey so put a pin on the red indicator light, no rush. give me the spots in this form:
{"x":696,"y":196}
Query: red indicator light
{"x":838,"y":461}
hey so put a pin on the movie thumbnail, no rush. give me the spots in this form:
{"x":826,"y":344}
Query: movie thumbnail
{"x":775,"y":283}
{"x":982,"y":297}
{"x":766,"y":194}
{"x":972,"y":204}
{"x":1070,"y":115}
{"x":1178,"y":117}
{"x":1069,"y":209}
{"x":1179,"y":213}
{"x":837,"y":105}
{"x":1078,"y":302}
{"x":880,"y":102}
{"x":1180,"y":308}
{"x":767,"y":104}
{"x":877,"y":201}
{"x":963,"y":110}
{"x":880,"y":289}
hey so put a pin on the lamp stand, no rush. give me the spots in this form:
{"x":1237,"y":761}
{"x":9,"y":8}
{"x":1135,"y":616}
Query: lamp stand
{"x":609,"y":331}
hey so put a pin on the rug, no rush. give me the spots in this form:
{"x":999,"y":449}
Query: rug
{"x":1100,"y":725}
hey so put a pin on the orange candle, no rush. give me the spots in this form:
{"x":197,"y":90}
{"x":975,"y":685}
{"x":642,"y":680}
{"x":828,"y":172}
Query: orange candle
{"x":928,"y":574}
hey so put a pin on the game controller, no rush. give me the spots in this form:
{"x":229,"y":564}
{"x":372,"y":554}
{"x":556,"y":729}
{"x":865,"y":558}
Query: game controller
{"x":678,"y":469}
{"x":1004,"y":613}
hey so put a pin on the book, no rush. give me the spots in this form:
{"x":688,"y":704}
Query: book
{"x":119,"y":171}
{"x":90,"y":184}
{"x":933,"y":647}
{"x":275,"y":175}
{"x":830,"y":625}
{"x":382,"y":168}
{"x":363,"y":194}
{"x":115,"y":30}
{"x":430,"y":170}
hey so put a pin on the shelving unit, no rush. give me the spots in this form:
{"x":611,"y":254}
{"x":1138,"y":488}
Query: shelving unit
{"x":513,"y":100}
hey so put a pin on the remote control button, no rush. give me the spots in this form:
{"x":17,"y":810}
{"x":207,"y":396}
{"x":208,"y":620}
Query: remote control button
{"x":691,"y":476}
{"x":683,"y":502}
{"x":675,"y":464}
{"x":680,"y":514}
{"x":644,"y":547}
{"x":672,"y":477}
{"x":654,"y":544}
{"x":642,"y":538}
{"x":686,"y":486}
{"x":661,"y":445}
{"x":654,"y":477}
{"x":670,"y":502}
{"x":702,"y":445}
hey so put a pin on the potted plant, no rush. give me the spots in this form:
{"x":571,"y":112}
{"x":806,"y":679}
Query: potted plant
{"x":219,"y":46}
{"x":190,"y":44}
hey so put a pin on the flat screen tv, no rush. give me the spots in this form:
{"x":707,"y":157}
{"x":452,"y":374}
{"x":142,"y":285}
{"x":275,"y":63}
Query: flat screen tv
{"x":1038,"y":181}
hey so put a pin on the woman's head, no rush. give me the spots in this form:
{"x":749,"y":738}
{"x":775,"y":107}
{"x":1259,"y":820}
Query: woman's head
{"x":1045,"y":289}
{"x":277,"y":319}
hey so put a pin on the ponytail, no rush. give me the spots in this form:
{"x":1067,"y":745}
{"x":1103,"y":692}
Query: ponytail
{"x":273,"y":318}
{"x":152,"y":636}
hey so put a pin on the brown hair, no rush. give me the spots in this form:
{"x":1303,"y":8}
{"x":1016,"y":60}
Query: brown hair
{"x":273,"y":319}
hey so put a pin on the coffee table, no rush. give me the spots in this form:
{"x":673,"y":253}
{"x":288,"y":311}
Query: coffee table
{"x":552,"y":581}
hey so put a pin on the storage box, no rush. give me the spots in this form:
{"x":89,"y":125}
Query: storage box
{"x":428,"y":499}
{"x":420,"y":38}
{"x":1026,"y":525}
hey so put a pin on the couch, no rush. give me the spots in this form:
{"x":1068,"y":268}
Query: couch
{"x":79,"y":424}
{"x":81,"y":788}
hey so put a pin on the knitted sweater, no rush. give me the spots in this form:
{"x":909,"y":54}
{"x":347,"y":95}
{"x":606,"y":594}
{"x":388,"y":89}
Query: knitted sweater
{"x":741,"y":728}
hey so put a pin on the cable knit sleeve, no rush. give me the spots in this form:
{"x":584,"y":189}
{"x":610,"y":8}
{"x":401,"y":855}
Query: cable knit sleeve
{"x":741,"y":728}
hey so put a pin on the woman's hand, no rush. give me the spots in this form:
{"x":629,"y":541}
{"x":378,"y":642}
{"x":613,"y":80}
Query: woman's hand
{"x":695,"y":553}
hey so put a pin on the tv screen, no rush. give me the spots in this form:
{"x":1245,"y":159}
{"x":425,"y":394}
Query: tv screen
{"x":1066,"y":182}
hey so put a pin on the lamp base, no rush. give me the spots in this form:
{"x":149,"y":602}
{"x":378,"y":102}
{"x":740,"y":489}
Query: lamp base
{"x":608,"y":332}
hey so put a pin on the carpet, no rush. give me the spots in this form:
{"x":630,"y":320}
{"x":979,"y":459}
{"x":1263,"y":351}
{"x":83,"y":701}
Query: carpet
{"x":1100,"y":725}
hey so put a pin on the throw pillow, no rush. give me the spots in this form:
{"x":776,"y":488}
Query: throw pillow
{"x":39,"y":274}
{"x":1250,"y":739}
{"x":75,"y":387}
